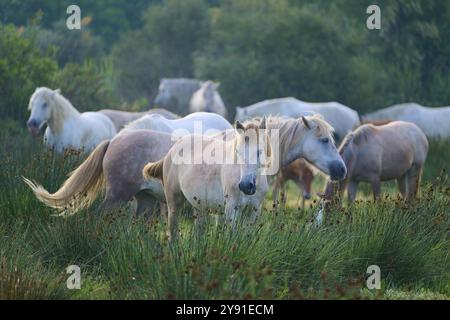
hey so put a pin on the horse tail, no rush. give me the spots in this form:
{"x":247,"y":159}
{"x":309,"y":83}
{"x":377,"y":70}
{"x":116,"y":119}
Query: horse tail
{"x":153,"y":170}
{"x":80,"y":189}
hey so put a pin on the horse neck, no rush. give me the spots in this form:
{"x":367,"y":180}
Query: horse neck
{"x":62,"y":110}
{"x":291,"y":143}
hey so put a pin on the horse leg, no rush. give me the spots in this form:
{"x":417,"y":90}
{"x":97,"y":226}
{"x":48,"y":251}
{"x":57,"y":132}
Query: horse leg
{"x":402,"y":184}
{"x":200,"y":221}
{"x":231,"y":212}
{"x":276,"y":189}
{"x":174,"y":204}
{"x":255,"y":214}
{"x":145,"y":204}
{"x":376,"y":187}
{"x":302,"y":192}
{"x":351,"y":191}
{"x":414,"y":175}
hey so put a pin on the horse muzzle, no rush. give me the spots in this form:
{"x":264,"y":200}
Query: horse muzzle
{"x":33,"y":127}
{"x":338,"y":170}
{"x":248,"y":187}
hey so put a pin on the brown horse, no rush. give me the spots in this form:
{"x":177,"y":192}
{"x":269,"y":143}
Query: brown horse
{"x":301,"y":173}
{"x":372,"y":154}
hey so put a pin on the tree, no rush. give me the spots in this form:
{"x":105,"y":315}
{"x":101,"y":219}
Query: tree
{"x":164,"y":47}
{"x":269,"y":49}
{"x":22,"y":69}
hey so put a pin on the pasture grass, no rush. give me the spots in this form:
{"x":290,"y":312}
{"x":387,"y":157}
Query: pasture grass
{"x":283,"y":255}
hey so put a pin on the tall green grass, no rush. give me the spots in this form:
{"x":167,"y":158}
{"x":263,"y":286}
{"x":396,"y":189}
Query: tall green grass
{"x":282,"y":255}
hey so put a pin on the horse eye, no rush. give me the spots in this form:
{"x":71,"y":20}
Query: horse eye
{"x":44,"y":105}
{"x":325,"y":140}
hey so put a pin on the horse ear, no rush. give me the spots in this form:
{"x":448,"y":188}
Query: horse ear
{"x":306,"y":122}
{"x":239,"y":125}
{"x":263,"y":123}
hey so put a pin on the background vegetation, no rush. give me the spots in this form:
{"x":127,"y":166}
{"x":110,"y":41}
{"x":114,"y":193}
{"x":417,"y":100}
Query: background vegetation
{"x":258,"y":49}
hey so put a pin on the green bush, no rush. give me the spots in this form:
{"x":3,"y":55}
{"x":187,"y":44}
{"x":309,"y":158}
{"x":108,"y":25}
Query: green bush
{"x":164,"y":47}
{"x":22,"y":68}
{"x":87,"y":85}
{"x":269,"y":49}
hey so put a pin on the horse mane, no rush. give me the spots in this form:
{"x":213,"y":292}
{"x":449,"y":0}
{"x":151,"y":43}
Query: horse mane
{"x":61,"y":106}
{"x":373,"y":122}
{"x":358,"y":136}
{"x":291,"y":129}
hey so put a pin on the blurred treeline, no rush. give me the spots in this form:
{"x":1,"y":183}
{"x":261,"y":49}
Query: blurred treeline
{"x":315,"y":50}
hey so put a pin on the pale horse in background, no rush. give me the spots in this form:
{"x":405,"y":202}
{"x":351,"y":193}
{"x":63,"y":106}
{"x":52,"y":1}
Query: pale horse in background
{"x":208,"y":99}
{"x":340,"y":117}
{"x":66,"y":127}
{"x":197,"y":122}
{"x":434,"y":122}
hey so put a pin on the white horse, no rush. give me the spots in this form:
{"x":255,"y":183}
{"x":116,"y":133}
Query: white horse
{"x":434,"y":122}
{"x":342,"y":118}
{"x":208,"y":99}
{"x":198,"y":122}
{"x":66,"y":127}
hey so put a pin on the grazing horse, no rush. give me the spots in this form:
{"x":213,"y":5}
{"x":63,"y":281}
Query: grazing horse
{"x":342,"y":118}
{"x":117,"y":165}
{"x":122,"y":118}
{"x":208,"y":99}
{"x":198,"y":122}
{"x":66,"y":127}
{"x":231,"y":187}
{"x":396,"y":150}
{"x":301,"y":173}
{"x":434,"y":122}
{"x":175,"y":94}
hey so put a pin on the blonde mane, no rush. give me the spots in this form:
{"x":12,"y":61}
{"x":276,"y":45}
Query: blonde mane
{"x":292,"y":130}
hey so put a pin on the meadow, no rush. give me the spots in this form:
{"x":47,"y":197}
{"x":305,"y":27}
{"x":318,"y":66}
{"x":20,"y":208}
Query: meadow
{"x":283,"y":255}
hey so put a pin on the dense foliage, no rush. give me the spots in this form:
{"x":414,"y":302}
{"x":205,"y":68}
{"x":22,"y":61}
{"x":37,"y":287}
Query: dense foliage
{"x":258,"y":49}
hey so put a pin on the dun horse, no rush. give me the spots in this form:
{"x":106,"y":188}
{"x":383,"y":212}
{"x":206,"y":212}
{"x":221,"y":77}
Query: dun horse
{"x":237,"y":187}
{"x":373,"y":154}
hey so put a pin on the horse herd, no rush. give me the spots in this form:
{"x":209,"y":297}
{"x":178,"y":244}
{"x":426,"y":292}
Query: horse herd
{"x":137,"y":155}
